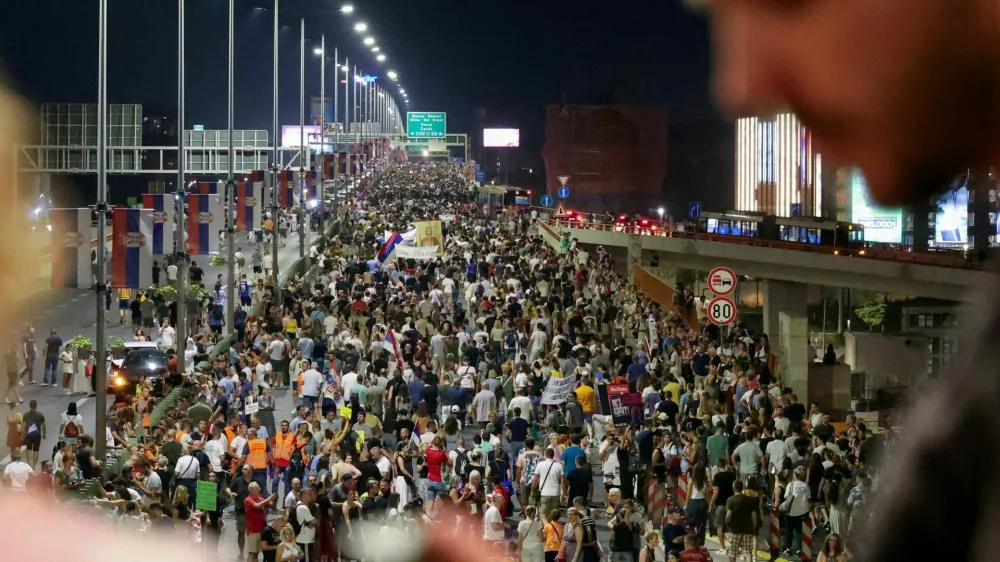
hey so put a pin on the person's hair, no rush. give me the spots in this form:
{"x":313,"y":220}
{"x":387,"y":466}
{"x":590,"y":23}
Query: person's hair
{"x":698,"y":476}
{"x":838,"y":550}
{"x":738,"y":486}
{"x":180,"y":495}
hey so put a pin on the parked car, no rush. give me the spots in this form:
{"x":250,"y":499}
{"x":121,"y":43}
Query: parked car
{"x":142,"y":361}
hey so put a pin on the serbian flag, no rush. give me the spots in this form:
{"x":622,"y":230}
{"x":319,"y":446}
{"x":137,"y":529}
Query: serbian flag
{"x":205,"y":220}
{"x":286,"y":184}
{"x":393,"y":346}
{"x":389,"y":246}
{"x":71,"y":248}
{"x":263,"y":177}
{"x":163,"y":227}
{"x":249,"y":206}
{"x":209,"y":188}
{"x":645,"y":347}
{"x":132,"y":248}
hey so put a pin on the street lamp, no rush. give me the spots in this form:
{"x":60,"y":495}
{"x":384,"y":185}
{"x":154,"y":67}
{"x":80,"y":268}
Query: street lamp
{"x":392,"y":75}
{"x":376,"y":49}
{"x":347,"y":8}
{"x":380,"y":58}
{"x":318,"y":51}
{"x":369,"y":41}
{"x":361,"y":27}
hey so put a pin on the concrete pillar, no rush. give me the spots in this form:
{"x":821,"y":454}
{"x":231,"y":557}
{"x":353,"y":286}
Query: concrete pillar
{"x":787,"y":327}
{"x":634,"y":255}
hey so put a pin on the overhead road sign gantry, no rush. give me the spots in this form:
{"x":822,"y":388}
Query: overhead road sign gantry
{"x":426,"y":124}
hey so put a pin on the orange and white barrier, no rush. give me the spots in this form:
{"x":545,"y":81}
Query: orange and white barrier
{"x":682,"y":490}
{"x":807,"y":540}
{"x":656,"y":502}
{"x":774,"y":532}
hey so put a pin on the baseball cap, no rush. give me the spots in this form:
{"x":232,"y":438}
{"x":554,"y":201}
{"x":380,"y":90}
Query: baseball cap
{"x":454,"y":409}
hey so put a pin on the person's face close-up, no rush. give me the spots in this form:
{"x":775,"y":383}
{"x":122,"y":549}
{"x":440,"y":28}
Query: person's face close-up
{"x":906,"y":89}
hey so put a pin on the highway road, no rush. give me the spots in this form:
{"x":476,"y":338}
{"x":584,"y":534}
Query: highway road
{"x":73,"y":312}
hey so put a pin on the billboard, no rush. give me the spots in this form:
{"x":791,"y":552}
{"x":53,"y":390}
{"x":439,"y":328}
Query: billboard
{"x":951,"y":222}
{"x":321,"y":112}
{"x":881,"y":224}
{"x":426,"y":125}
{"x":291,"y":136}
{"x":501,"y":138}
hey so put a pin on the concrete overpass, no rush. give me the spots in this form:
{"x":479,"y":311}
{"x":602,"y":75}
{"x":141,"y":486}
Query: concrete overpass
{"x":899,"y":273}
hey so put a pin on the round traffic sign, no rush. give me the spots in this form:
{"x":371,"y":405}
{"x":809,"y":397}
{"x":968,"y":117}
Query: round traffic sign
{"x":721,"y":311}
{"x":546,"y":200}
{"x":563,"y":192}
{"x":722,"y":281}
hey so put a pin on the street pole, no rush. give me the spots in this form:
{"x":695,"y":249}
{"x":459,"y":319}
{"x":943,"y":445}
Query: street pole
{"x":304,"y":150}
{"x":336,"y":118}
{"x":347,"y":121}
{"x":231,"y":193}
{"x":354,"y":109}
{"x":275,"y":167}
{"x":180,"y":241}
{"x":321,"y":173}
{"x":100,"y":369}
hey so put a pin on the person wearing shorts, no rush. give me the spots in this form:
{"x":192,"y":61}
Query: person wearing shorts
{"x":34,"y":431}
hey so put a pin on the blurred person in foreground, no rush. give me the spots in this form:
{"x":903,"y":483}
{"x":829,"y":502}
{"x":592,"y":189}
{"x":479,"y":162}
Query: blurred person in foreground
{"x":910,"y":91}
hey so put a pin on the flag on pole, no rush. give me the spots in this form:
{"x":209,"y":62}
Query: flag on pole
{"x":390,"y":338}
{"x":286,"y":184}
{"x":132,"y":248}
{"x":388,"y":246}
{"x":249,"y":206}
{"x":71,"y":263}
{"x":263,"y":177}
{"x":205,"y":219}
{"x":163,"y":224}
{"x":210,"y":188}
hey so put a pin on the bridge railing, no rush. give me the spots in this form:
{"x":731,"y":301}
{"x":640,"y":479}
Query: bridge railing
{"x":899,"y":256}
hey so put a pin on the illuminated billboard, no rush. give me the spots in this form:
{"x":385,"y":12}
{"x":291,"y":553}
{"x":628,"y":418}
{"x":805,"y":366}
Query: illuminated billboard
{"x":881,"y":224}
{"x":951,"y":222}
{"x":501,"y":138}
{"x":291,"y":135}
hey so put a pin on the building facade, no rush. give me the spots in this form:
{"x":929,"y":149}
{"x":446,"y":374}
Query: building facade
{"x":613,"y":157}
{"x":778,"y":172}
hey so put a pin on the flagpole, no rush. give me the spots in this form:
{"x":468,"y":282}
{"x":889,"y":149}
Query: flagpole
{"x":100,"y":368}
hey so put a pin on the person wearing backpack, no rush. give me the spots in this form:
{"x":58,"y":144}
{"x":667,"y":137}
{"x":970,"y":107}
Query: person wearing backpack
{"x":71,"y":426}
{"x":460,"y":461}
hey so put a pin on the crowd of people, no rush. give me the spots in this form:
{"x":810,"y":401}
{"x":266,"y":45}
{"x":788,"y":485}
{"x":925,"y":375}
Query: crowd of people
{"x":424,"y":399}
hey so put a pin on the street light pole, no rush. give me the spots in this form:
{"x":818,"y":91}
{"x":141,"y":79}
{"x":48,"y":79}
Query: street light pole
{"x":231,"y":193}
{"x":321,"y":173}
{"x":275,"y":167}
{"x":347,"y":121}
{"x":180,"y":240}
{"x":336,"y":116}
{"x":304,"y":150}
{"x":100,"y":370}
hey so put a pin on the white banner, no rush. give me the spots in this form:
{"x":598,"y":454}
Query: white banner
{"x":446,"y":218}
{"x":423,"y":253}
{"x":251,"y":407}
{"x":557,"y":389}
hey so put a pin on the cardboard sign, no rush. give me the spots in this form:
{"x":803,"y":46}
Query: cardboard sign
{"x":205,"y":497}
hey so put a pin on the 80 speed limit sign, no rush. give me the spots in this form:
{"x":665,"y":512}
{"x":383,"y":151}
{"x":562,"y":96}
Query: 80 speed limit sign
{"x":721,"y":311}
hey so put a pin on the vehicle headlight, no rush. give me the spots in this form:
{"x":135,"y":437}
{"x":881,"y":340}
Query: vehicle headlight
{"x":119,"y":380}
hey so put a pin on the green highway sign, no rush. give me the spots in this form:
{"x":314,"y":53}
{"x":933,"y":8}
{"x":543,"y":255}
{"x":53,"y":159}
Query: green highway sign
{"x":426,"y":124}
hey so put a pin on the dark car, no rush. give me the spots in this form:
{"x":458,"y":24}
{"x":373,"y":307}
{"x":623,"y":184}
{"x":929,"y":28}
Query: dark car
{"x":143,"y":363}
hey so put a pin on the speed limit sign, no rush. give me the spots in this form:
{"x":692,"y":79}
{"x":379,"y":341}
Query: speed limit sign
{"x":721,"y":311}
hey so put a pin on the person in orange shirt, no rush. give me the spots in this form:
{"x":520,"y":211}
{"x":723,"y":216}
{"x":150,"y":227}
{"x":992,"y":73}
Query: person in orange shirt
{"x":553,"y":535}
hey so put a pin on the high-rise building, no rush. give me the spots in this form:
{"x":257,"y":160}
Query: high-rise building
{"x":777,"y":170}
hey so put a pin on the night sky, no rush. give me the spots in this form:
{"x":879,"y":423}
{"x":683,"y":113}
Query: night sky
{"x":508,"y":58}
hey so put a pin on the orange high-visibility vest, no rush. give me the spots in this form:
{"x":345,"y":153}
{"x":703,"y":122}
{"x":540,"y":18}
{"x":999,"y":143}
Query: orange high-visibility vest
{"x":230,"y":434}
{"x":145,"y":420}
{"x":283,"y":445}
{"x":298,"y":390}
{"x":257,"y":457}
{"x":180,"y":435}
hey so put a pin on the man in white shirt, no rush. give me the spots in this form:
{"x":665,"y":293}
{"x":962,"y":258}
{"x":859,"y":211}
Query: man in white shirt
{"x":348,"y":382}
{"x":776,"y":452}
{"x":307,"y":534}
{"x":215,"y":449}
{"x":312,"y":384}
{"x":493,"y":525}
{"x":548,"y":481}
{"x":795,"y":507}
{"x":538,"y":341}
{"x":523,"y":402}
{"x":167,"y":335}
{"x":781,"y":423}
{"x":17,"y":473}
{"x":186,"y":470}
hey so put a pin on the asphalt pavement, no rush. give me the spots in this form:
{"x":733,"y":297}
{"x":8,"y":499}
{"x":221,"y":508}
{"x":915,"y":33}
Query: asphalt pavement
{"x":73,"y":312}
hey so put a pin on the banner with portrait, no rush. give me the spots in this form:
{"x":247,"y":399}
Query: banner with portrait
{"x":429,"y":234}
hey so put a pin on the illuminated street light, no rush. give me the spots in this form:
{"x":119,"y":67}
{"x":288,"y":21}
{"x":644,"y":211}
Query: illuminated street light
{"x":369,"y":41}
{"x":426,"y":153}
{"x":361,"y":27}
{"x":376,"y":49}
{"x":317,"y":51}
{"x":347,"y":8}
{"x":392,"y":74}
{"x":660,"y":211}
{"x":380,"y":58}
